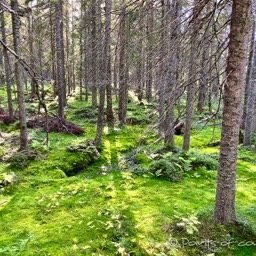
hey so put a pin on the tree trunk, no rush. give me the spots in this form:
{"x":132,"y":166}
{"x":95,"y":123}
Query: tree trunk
{"x":122,"y":67}
{"x":81,"y":49}
{"x":7,"y":69}
{"x":172,"y":82}
{"x":18,"y":76}
{"x":68,"y":61}
{"x":102,"y":79}
{"x":162,"y":69}
{"x":248,"y":75}
{"x":192,"y":86}
{"x":233,"y":92}
{"x":53,"y":55}
{"x":149,"y":66}
{"x":94,"y":54}
{"x":250,"y":96}
{"x":60,"y":58}
{"x":1,"y":68}
{"x":107,"y":59}
{"x":31,"y":52}
{"x":140,"y":68}
{"x":205,"y":64}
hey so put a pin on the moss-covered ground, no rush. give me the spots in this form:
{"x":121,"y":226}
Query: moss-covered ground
{"x":108,"y":210}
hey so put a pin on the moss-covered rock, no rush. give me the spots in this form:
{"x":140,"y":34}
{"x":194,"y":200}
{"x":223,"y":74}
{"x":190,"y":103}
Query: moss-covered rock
{"x":78,"y":157}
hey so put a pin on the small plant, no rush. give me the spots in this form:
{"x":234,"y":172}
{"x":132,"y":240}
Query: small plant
{"x":17,"y":249}
{"x":189,"y":224}
{"x":38,"y":146}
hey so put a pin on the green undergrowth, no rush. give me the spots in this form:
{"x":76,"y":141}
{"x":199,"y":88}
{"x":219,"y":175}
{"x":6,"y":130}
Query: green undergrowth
{"x":107,"y":208}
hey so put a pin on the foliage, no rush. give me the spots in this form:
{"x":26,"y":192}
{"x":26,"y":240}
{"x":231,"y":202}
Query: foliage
{"x":22,"y":159}
{"x":18,"y":248}
{"x":189,"y":224}
{"x":142,"y":158}
{"x":165,"y":169}
{"x":89,"y":113}
{"x":205,"y":161}
{"x":140,"y":170}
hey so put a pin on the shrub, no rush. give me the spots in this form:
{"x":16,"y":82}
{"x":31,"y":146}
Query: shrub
{"x":205,"y":161}
{"x":140,"y":170}
{"x":141,"y":158}
{"x":165,"y":169}
{"x":22,"y":159}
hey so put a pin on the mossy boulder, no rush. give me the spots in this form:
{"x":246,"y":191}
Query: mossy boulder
{"x":78,"y":157}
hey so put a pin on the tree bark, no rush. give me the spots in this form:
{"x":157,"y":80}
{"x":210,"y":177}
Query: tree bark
{"x":122,"y":67}
{"x":102,"y":80}
{"x":60,"y":58}
{"x":251,"y":96}
{"x":94,"y":53}
{"x":172,"y":82}
{"x":53,"y":55}
{"x":233,"y":92}
{"x":162,"y":69}
{"x":7,"y":69}
{"x":192,"y":86}
{"x":18,"y":76}
{"x":149,"y":66}
{"x":107,"y":59}
{"x":31,"y":52}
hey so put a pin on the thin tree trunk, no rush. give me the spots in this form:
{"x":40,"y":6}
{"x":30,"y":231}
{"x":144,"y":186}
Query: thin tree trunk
{"x":248,"y":76}
{"x":192,"y":86}
{"x":73,"y":60}
{"x":149,"y":65}
{"x":162,"y":69}
{"x":205,"y":65}
{"x":1,"y":68}
{"x":122,"y":67}
{"x":251,"y":96}
{"x":94,"y":53}
{"x":68,"y":69}
{"x":81,"y":49}
{"x":31,"y":52}
{"x":53,"y":55}
{"x":107,"y":59}
{"x":18,"y":76}
{"x":172,"y":74}
{"x":60,"y":58}
{"x":141,"y":58}
{"x":7,"y":69}
{"x":102,"y":80}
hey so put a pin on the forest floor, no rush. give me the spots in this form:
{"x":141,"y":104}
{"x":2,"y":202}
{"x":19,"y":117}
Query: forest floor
{"x":120,"y":204}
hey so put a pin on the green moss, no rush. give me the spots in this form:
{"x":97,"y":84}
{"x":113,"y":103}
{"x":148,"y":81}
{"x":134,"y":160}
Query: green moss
{"x":106,"y":209}
{"x":142,"y":158}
